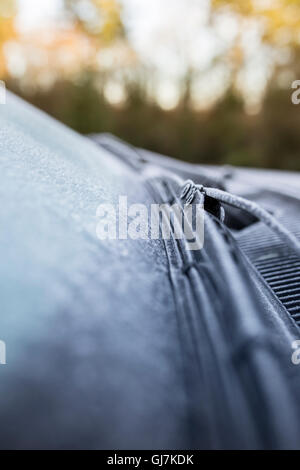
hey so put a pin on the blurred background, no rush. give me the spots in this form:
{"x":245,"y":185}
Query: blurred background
{"x":207,"y":81}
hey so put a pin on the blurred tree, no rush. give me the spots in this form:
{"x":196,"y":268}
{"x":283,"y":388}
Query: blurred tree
{"x":266,"y":40}
{"x":280,"y":19}
{"x":8,"y":11}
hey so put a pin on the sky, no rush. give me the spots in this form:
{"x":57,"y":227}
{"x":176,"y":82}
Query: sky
{"x":169,"y":36}
{"x":152,"y":24}
{"x":155,"y":27}
{"x":35,"y":13}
